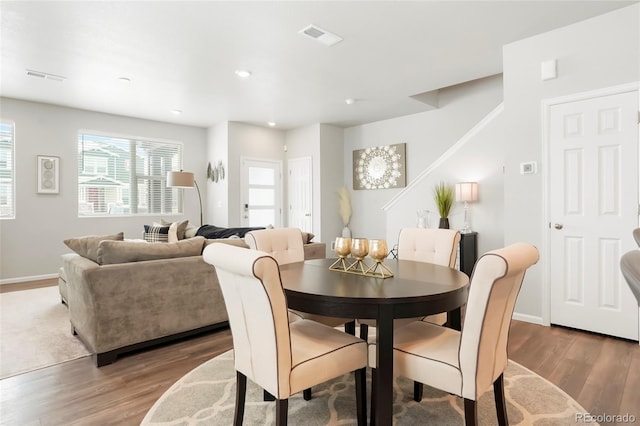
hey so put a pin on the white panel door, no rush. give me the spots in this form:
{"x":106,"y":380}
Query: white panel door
{"x":593,"y":147}
{"x":300,"y":194}
{"x":261,"y":186}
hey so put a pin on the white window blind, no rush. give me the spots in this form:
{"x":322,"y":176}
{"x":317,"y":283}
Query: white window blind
{"x":126,"y":176}
{"x":7,"y":172}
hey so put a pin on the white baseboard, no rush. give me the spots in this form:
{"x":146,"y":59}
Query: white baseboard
{"x":528,"y":318}
{"x":25,"y":279}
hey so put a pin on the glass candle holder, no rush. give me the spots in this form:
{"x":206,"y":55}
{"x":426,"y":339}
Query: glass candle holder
{"x":359,"y":250}
{"x":378,"y":251}
{"x":342,"y":248}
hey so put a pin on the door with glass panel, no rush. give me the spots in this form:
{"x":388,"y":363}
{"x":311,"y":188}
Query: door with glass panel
{"x":261,"y":186}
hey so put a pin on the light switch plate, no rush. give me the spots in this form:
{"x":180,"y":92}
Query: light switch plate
{"x":529,"y":168}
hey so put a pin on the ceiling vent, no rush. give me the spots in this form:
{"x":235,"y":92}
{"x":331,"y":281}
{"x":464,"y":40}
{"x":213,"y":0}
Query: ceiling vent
{"x":45,"y":75}
{"x":320,"y":35}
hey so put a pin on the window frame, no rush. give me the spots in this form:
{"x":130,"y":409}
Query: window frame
{"x":12,"y":184}
{"x":160,"y":196}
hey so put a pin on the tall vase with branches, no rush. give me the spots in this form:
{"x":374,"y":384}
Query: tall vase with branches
{"x":444,"y":196}
{"x":344,"y":203}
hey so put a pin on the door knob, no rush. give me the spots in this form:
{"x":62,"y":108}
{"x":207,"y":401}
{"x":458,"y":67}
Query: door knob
{"x":558,"y":226}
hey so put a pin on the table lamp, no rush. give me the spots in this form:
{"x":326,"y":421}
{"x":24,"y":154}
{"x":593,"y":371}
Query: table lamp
{"x":466,"y":191}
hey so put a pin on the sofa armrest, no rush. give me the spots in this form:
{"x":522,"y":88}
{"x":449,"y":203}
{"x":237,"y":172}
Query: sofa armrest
{"x":315,"y":251}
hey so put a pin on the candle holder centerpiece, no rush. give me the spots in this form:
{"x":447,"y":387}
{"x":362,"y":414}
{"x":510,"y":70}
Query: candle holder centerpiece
{"x":342,"y":248}
{"x":378,"y":252}
{"x":359,"y":250}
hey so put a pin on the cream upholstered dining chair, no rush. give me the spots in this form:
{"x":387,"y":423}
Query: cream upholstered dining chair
{"x":282,"y":357}
{"x":630,"y":267}
{"x":466,"y":363}
{"x":286,"y":246}
{"x":636,"y":236}
{"x":439,"y":246}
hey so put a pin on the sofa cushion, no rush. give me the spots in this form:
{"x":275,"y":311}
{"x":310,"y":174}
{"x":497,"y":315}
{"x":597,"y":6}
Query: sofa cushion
{"x":88,"y":246}
{"x":156,"y":234}
{"x":111,"y":252}
{"x":181,"y":226}
{"x":307,"y":237}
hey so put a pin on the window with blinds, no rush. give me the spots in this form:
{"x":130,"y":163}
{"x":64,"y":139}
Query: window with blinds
{"x":7,"y":172}
{"x":126,"y":176}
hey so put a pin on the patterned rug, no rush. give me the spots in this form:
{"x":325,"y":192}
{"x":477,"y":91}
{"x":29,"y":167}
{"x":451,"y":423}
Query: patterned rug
{"x":206,"y":396}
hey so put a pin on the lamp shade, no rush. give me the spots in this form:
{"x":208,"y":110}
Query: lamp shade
{"x":467,"y":191}
{"x":180,"y":179}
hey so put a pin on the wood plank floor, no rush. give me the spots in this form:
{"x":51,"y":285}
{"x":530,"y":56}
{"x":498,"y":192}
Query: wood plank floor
{"x":601,"y":373}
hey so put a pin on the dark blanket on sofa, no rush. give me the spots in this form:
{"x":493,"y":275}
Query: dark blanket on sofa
{"x":212,"y":232}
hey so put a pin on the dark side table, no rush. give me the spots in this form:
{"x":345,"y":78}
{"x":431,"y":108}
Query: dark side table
{"x":468,"y":252}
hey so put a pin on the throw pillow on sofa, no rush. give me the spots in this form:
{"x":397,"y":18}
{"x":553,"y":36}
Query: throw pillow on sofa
{"x":88,"y":246}
{"x":181,"y":227}
{"x":156,"y":234}
{"x":112,"y":252}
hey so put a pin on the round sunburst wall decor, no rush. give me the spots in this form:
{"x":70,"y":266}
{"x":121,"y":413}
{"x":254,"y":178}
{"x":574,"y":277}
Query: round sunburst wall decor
{"x":380,"y":167}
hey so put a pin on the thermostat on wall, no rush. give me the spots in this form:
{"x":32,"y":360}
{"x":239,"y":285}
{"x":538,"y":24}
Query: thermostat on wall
{"x":529,"y":168}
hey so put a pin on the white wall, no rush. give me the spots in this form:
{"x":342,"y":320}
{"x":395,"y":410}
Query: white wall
{"x":31,"y":244}
{"x":597,"y":53}
{"x":428,"y":135}
{"x":332,"y":179}
{"x":218,"y":192}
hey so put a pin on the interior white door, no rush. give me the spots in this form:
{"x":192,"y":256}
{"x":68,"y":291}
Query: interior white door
{"x":300,"y":194}
{"x":261,"y":186}
{"x":593,"y":178}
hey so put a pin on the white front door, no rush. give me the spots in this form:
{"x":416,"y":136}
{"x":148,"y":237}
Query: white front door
{"x":261,"y":185}
{"x":300,"y":194}
{"x":593,"y":208}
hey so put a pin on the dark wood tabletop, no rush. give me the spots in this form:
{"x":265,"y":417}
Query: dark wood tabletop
{"x":416,"y":289}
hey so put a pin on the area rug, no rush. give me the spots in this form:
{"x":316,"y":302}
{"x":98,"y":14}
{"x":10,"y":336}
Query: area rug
{"x":206,"y":396}
{"x":35,"y":331}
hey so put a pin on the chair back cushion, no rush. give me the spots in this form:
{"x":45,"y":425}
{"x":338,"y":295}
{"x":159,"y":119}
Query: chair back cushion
{"x":258,"y":316}
{"x":439,"y":246}
{"x":630,"y":267}
{"x":284,"y":244}
{"x":636,"y":236}
{"x":495,"y":283}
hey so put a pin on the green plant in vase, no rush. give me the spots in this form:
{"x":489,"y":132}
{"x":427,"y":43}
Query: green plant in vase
{"x":444,"y":196}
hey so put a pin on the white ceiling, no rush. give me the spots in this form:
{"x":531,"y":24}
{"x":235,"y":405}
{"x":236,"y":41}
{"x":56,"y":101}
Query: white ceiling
{"x":182,"y":55}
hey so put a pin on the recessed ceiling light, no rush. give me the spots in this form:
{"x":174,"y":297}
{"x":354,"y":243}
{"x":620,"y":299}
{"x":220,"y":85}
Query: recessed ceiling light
{"x":124,"y":80}
{"x":243,"y":73}
{"x":271,"y":123}
{"x":349,"y":101}
{"x":176,"y":112}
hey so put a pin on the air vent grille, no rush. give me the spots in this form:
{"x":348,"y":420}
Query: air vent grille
{"x":320,"y":35}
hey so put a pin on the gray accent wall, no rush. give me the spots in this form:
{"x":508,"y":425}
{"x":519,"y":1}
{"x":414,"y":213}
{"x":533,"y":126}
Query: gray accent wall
{"x":31,"y":244}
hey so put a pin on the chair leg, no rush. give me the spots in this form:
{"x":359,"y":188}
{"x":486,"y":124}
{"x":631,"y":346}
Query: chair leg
{"x":241,"y":392}
{"x":501,"y":405}
{"x":364,"y":332}
{"x":306,"y":394}
{"x":350,"y":327}
{"x":470,"y":412}
{"x":266,"y":396}
{"x":417,"y":391}
{"x":282,"y":406}
{"x":361,"y":396}
{"x":372,"y":416}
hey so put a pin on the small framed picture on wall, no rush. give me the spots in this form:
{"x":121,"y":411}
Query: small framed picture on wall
{"x":48,"y":174}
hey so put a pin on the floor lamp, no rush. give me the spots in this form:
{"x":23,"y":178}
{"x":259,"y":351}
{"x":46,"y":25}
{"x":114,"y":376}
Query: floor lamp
{"x":184,"y":180}
{"x":466,"y":191}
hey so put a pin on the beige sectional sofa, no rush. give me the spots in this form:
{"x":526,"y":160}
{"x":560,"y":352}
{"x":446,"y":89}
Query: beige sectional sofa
{"x":126,"y":295}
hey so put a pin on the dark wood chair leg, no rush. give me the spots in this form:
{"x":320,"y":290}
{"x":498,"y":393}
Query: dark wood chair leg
{"x":350,"y":327}
{"x":282,"y":406}
{"x":417,"y":391}
{"x":241,"y":392}
{"x":306,"y":394}
{"x":364,"y":332}
{"x":501,"y":404}
{"x":267,"y":396}
{"x":361,"y":396}
{"x":372,"y":416}
{"x":470,"y":412}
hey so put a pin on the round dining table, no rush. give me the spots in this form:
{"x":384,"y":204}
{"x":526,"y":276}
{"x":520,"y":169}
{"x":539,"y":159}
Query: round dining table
{"x":415,"y":289}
